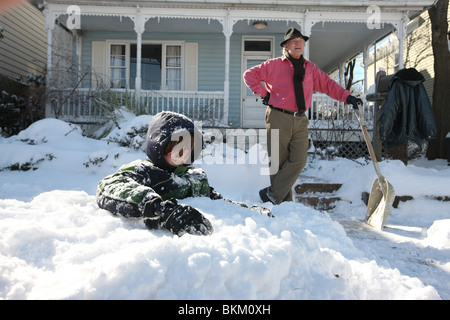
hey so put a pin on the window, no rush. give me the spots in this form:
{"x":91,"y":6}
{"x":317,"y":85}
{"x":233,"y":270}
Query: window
{"x":118,"y":66}
{"x":257,"y":45}
{"x":173,"y":68}
{"x":161,"y":66}
{"x":150,"y":66}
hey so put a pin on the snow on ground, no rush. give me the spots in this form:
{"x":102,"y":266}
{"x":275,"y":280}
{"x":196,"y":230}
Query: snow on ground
{"x":55,"y":243}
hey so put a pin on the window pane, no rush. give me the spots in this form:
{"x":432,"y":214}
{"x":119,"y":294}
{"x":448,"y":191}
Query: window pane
{"x":150,"y":66}
{"x":173,"y":62}
{"x":118,"y":83}
{"x":118,"y":73}
{"x":173,"y":51}
{"x":117,"y":61}
{"x":173,"y":85}
{"x":173,"y":79}
{"x":118,"y":78}
{"x":255,"y":45}
{"x":173,"y":56}
{"x":118,"y":49}
{"x":117,"y":58}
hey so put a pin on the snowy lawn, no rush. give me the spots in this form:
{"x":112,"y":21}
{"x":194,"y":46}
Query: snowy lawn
{"x":55,"y":243}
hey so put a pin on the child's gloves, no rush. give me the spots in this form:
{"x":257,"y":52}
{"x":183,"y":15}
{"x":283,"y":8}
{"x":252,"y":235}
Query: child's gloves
{"x":177,"y":218}
{"x":214,"y":195}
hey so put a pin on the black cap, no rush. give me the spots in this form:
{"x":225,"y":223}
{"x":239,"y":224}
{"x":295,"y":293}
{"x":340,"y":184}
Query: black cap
{"x":291,"y":34}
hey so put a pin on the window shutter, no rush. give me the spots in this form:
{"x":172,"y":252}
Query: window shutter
{"x":98,"y":64}
{"x":191,"y":70}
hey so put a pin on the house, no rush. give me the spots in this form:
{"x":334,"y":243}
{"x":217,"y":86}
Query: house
{"x":189,"y":56}
{"x":23,"y":43}
{"x":23,"y":63}
{"x":418,"y":53}
{"x":383,"y":60}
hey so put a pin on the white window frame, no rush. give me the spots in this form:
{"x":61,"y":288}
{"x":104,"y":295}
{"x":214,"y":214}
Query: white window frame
{"x":127,"y":61}
{"x":163,"y":44}
{"x":164,"y":65}
{"x":271,"y":39}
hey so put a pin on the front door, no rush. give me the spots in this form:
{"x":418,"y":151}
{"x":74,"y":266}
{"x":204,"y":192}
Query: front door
{"x":255,"y":51}
{"x":253,"y":111}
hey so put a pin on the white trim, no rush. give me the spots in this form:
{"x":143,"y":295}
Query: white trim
{"x":294,"y":11}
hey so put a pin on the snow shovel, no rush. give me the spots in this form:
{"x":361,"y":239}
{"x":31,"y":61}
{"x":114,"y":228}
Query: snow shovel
{"x":382,"y":194}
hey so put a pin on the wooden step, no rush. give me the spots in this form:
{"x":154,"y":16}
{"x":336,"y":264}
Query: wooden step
{"x":317,"y":187}
{"x":318,"y":203}
{"x":320,"y":196}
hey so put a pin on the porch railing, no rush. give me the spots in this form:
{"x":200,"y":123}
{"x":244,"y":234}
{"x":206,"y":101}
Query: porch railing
{"x":325,"y":109}
{"x":331,"y":120}
{"x":85,"y":105}
{"x":200,"y":105}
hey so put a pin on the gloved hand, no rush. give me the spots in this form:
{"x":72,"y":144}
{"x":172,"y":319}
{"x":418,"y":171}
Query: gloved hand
{"x":354,"y":101}
{"x":177,"y":218}
{"x":265,"y":99}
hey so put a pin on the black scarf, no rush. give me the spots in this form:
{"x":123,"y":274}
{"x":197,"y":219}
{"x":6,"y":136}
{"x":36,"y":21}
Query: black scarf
{"x":299,"y":73}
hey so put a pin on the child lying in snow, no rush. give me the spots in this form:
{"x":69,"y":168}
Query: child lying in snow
{"x":149,"y":188}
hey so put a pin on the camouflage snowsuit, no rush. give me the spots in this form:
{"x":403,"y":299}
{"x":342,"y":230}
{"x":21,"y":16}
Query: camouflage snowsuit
{"x":149,"y":188}
{"x":128,"y":190}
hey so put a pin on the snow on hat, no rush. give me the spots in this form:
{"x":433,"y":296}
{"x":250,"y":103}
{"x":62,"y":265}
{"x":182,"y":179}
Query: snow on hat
{"x":163,"y":126}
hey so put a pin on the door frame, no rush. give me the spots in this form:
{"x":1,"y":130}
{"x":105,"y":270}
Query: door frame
{"x":252,"y":55}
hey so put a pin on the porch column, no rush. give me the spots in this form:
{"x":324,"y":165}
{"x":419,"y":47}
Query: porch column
{"x":341,"y":74}
{"x":139,"y":27}
{"x":227,"y":31}
{"x":401,"y":35}
{"x":78,"y":41}
{"x":307,"y":32}
{"x":49,"y":26}
{"x":138,"y":80}
{"x":365,"y":62}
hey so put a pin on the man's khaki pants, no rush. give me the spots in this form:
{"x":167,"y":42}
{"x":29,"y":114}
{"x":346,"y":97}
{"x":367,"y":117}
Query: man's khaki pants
{"x":292,"y":147}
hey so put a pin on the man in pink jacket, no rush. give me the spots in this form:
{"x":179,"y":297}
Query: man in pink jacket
{"x":286,"y":85}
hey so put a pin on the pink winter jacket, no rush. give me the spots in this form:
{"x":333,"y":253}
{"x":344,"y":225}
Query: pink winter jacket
{"x":278,"y":73}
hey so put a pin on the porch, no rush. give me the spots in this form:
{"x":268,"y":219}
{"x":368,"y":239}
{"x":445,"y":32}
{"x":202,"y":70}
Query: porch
{"x":204,"y":47}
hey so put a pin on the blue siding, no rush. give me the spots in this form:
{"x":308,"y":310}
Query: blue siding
{"x":211,"y":60}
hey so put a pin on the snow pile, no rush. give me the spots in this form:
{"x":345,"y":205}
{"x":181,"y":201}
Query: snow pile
{"x":55,"y":243}
{"x":438,"y":235}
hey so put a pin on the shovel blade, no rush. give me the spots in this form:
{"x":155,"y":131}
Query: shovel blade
{"x":380,"y":203}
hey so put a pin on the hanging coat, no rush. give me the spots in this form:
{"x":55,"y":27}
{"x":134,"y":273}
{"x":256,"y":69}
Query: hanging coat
{"x":407,"y":114}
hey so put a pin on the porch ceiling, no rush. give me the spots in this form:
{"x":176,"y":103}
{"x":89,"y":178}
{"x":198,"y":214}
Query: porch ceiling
{"x":331,"y":43}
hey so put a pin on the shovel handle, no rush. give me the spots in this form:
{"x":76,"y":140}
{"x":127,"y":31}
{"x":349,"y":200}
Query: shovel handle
{"x":368,"y":141}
